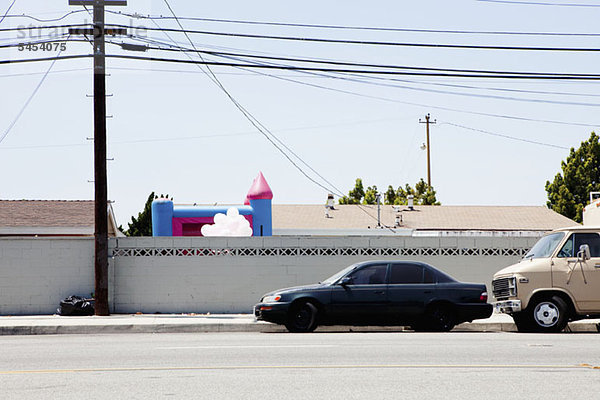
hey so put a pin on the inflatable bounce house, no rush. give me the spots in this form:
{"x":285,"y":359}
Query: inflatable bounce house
{"x":179,"y":220}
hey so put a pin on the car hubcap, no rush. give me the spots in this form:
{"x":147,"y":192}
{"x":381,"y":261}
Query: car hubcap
{"x":546,"y":314}
{"x":303,"y":317}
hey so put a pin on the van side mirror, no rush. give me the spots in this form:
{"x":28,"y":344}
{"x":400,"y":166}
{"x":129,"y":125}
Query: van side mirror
{"x":584,"y":252}
{"x":346,"y":281}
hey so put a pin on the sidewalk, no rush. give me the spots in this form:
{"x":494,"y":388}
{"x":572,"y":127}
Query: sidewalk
{"x":181,"y":323}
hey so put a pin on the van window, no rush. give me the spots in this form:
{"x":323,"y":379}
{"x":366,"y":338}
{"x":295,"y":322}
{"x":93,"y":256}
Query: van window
{"x":591,"y":239}
{"x":545,"y":246}
{"x":571,"y":246}
{"x":567,"y":249}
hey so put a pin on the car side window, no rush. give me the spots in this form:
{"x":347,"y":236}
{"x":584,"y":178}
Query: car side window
{"x":567,"y":249}
{"x":591,"y":239}
{"x":406,"y":274}
{"x":370,"y":275}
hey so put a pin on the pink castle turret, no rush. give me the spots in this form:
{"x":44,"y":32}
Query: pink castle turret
{"x":260,"y":189}
{"x":259,"y":196}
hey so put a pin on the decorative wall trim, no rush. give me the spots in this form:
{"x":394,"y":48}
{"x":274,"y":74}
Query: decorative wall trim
{"x":320,"y":252}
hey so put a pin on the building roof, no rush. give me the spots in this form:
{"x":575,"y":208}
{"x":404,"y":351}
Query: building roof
{"x":50,"y":218}
{"x":426,"y":218}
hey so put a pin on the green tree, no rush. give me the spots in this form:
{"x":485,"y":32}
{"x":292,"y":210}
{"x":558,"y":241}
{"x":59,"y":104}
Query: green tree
{"x":371,"y":195}
{"x":356,"y":195}
{"x":569,"y":192}
{"x":423,"y":194}
{"x":142,"y":225}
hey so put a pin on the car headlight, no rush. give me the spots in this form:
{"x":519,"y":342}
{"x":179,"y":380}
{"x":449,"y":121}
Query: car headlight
{"x":271,"y":299}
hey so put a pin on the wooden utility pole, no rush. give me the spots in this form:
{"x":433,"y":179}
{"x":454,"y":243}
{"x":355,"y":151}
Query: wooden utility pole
{"x":100,"y":180}
{"x":427,"y":122}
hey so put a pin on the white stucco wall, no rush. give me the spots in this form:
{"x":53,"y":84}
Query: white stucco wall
{"x":180,"y":275}
{"x":219,"y":275}
{"x":36,"y":273}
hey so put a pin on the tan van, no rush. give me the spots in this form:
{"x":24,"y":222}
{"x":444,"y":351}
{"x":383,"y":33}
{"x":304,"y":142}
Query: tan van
{"x":557,"y":281}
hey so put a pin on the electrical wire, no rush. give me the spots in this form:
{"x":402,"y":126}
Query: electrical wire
{"x":228,"y":56}
{"x":37,"y":88}
{"x":341,"y":27}
{"x":593,"y":77}
{"x":45,"y":20}
{"x":363,"y":65}
{"x":257,"y":124}
{"x":429,"y":106}
{"x":504,"y":136}
{"x":368,"y":42}
{"x":158,"y":42}
{"x":29,"y":28}
{"x":56,"y":58}
{"x":58,"y":39}
{"x":42,"y":73}
{"x":537,"y":3}
{"x":8,"y":10}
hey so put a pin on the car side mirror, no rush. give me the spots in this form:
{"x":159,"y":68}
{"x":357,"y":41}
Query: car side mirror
{"x":584,"y":252}
{"x":346,"y":281}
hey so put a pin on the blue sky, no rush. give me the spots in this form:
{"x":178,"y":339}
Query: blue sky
{"x":174,"y":131}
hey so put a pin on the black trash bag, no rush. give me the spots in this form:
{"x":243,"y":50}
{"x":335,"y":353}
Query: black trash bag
{"x":76,"y":306}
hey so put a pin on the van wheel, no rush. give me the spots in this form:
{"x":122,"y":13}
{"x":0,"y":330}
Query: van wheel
{"x":302,"y":317}
{"x":545,"y":315}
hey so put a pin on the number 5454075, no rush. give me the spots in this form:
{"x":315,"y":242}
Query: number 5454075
{"x":42,"y":47}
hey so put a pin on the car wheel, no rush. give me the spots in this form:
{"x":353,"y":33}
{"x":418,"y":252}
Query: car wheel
{"x":302,"y":318}
{"x":438,"y":318}
{"x":547,"y":315}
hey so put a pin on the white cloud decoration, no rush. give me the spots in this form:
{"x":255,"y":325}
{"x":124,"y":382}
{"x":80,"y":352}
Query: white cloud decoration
{"x":232,"y":224}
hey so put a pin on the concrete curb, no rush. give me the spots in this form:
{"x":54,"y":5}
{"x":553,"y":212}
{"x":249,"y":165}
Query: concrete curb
{"x":48,"y":325}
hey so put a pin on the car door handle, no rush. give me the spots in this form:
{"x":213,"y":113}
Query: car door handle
{"x":379,"y":292}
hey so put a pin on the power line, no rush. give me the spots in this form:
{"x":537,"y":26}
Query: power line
{"x":30,"y":28}
{"x":502,"y":116}
{"x":345,"y":63}
{"x":367,"y":42}
{"x":228,"y":56}
{"x":593,"y":77}
{"x":173,"y":48}
{"x":54,"y":40}
{"x":56,"y":58}
{"x":14,"y":122}
{"x":505,"y":136}
{"x":45,"y":20}
{"x":7,"y":11}
{"x":257,"y":124}
{"x":342,"y":27}
{"x":537,"y":3}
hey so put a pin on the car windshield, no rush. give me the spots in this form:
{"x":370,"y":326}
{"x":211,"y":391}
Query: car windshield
{"x":545,"y":246}
{"x":338,"y":275}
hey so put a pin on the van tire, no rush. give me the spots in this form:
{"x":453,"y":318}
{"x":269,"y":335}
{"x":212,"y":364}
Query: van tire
{"x":548,"y":314}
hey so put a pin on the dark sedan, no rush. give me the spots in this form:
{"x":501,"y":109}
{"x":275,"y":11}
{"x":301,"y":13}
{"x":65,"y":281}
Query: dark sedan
{"x":402,"y":293}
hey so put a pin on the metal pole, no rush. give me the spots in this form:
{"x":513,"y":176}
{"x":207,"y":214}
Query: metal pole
{"x":100,"y":180}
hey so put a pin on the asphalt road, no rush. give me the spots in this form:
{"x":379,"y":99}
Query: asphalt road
{"x":282,"y":366}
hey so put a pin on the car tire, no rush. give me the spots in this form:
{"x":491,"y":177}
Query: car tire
{"x":545,"y":315}
{"x":302,"y":317}
{"x":437,"y":318}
